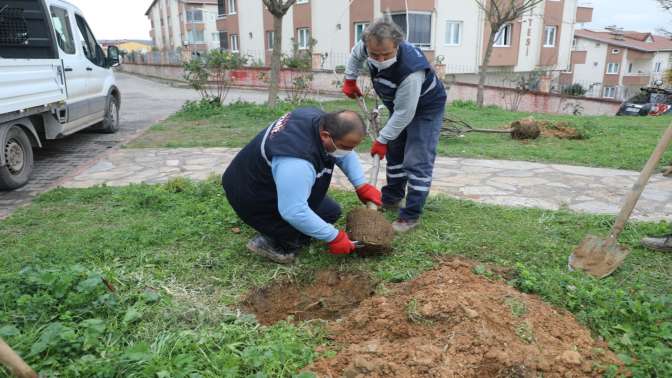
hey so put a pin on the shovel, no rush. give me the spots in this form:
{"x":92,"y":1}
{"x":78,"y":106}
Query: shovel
{"x":600,"y":257}
{"x":14,"y":363}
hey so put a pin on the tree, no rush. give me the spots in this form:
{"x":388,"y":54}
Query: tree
{"x":278,"y":9}
{"x":498,"y":13}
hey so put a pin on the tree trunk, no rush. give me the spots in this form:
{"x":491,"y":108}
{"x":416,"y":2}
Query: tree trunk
{"x":483,"y":70}
{"x":276,"y":61}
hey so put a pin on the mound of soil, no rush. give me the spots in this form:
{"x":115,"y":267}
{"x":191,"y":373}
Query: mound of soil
{"x":560,"y":130}
{"x":450,"y":322}
{"x":372,"y":229}
{"x":330,"y":295}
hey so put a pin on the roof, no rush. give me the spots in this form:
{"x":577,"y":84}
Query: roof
{"x":630,"y":39}
{"x":210,"y":2}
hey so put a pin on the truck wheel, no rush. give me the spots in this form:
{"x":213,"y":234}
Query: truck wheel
{"x":18,"y":153}
{"x":111,"y":122}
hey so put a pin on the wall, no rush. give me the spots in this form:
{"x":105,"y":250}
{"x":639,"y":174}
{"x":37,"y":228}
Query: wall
{"x":531,"y":39}
{"x":533,"y":102}
{"x":593,"y":70}
{"x":331,"y":39}
{"x":251,"y":18}
{"x":465,"y":57}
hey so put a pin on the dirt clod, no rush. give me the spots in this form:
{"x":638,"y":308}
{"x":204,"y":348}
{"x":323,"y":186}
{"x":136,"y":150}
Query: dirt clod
{"x":526,"y":128}
{"x":372,"y":229}
{"x":330,"y":295}
{"x":380,"y":339}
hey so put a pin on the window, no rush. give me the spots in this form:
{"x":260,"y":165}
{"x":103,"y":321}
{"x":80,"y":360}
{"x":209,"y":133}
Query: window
{"x":659,"y":66}
{"x":612,"y":68}
{"x":420,"y":24}
{"x":504,"y":36}
{"x":609,"y":92}
{"x":223,"y":40}
{"x":302,"y":1}
{"x":304,"y":38}
{"x":574,"y":43}
{"x":630,"y":68}
{"x":270,"y":39}
{"x":91,"y":49}
{"x":215,"y":37}
{"x":453,"y":33}
{"x":221,"y":9}
{"x":234,"y":42}
{"x":196,"y":36}
{"x":359,"y":30}
{"x":549,"y":36}
{"x":195,"y":15}
{"x":231,"y":4}
{"x":61,"y":21}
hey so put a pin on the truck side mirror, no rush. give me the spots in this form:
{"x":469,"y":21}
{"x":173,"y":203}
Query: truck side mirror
{"x":113,"y":56}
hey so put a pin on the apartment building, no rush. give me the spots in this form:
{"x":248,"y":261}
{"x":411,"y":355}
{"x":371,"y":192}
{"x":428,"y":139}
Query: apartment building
{"x":616,"y":63}
{"x":452,"y":32}
{"x":184,"y":24}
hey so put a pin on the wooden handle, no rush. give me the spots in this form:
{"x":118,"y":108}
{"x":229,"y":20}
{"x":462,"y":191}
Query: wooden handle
{"x":14,"y":363}
{"x":640,"y":184}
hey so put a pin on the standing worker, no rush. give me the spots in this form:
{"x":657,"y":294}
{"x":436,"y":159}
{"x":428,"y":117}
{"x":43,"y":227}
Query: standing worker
{"x":406,"y":83}
{"x":278,"y":183}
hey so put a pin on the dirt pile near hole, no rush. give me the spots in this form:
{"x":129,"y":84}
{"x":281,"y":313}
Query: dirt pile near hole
{"x":450,"y":322}
{"x":331,"y":295}
{"x":560,"y":130}
{"x":371,"y":228}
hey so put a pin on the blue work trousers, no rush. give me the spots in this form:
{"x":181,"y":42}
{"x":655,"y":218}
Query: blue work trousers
{"x":410,"y":162}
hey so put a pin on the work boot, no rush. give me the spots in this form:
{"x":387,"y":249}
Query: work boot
{"x":395,"y":206}
{"x":404,"y":225}
{"x":264,"y":247}
{"x":659,"y":243}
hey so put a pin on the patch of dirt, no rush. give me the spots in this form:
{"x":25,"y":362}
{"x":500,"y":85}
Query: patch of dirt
{"x":372,"y":229}
{"x":450,"y":322}
{"x":560,"y":130}
{"x":331,"y":295}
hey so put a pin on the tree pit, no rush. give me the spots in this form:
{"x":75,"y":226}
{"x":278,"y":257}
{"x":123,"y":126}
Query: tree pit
{"x":331,"y":295}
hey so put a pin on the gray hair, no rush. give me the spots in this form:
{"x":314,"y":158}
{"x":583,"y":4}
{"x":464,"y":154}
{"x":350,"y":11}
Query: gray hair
{"x":384,"y":28}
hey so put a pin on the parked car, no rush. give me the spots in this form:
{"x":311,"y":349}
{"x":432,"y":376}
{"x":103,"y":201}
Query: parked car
{"x":55,"y":80}
{"x":650,"y":101}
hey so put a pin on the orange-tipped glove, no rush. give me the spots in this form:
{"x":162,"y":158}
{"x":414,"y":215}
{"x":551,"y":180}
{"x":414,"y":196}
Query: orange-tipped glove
{"x":351,"y":89}
{"x":368,"y":193}
{"x":379,"y":149}
{"x":342,"y":245}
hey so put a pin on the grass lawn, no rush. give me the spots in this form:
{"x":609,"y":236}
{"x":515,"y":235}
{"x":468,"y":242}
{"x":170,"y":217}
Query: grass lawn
{"x":175,"y":269}
{"x":615,"y":142}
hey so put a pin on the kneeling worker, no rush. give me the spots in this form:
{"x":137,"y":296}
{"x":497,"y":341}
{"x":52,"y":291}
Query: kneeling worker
{"x":278,"y":183}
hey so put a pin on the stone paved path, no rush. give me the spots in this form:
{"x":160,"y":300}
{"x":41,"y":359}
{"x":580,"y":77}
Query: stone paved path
{"x":501,"y":182}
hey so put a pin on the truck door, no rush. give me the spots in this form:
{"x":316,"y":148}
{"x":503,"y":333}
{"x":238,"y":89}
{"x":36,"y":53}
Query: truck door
{"x":74,"y":64}
{"x":96,"y":68}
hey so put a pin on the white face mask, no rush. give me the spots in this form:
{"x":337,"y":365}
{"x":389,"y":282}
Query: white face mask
{"x":384,"y":64}
{"x":339,"y":153}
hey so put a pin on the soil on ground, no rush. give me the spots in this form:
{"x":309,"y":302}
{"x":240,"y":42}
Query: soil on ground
{"x":449,"y":322}
{"x":331,"y":295}
{"x":371,"y":228}
{"x":560,"y":130}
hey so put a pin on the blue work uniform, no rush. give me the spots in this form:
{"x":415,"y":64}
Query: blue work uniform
{"x":289,"y":147}
{"x":410,"y":157}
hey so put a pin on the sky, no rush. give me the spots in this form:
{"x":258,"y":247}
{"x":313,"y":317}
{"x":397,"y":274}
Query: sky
{"x":125,"y":19}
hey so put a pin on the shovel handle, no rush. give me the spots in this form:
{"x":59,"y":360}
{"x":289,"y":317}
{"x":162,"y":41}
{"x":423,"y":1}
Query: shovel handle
{"x":640,"y":184}
{"x":373,"y":179}
{"x":15,"y":364}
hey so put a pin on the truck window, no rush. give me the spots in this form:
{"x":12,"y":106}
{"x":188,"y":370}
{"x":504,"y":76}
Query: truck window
{"x":91,"y":49}
{"x":61,"y":21}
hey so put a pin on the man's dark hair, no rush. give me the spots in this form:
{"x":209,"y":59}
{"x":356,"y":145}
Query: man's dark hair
{"x":342,"y":123}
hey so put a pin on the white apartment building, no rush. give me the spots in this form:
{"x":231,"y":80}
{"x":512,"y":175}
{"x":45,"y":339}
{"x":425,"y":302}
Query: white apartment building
{"x":615,"y":63}
{"x":453,"y":32}
{"x":184,"y":24}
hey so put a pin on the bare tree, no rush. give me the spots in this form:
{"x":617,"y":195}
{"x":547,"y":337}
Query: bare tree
{"x":278,"y":9}
{"x":498,"y":13}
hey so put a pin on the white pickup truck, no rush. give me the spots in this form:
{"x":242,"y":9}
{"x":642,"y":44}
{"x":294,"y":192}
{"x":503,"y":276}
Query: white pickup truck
{"x":54,"y":81}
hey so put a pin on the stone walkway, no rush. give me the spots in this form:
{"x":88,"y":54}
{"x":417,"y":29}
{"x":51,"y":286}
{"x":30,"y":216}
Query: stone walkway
{"x":500,"y":182}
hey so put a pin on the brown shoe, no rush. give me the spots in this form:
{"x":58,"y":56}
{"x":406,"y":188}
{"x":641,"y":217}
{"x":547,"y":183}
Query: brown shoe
{"x":264,"y":247}
{"x":660,"y":243}
{"x":405,"y":225}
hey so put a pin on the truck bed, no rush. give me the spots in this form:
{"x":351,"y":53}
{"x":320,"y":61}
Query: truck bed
{"x":29,"y":83}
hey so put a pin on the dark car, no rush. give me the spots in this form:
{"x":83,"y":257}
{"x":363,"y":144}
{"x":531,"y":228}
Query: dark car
{"x":650,"y":101}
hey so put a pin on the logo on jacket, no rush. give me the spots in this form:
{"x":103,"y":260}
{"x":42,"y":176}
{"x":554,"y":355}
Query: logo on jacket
{"x":280,"y":124}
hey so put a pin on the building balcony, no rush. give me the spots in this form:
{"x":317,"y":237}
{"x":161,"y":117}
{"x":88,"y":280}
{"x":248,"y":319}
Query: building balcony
{"x":632,"y":79}
{"x":639,"y":55}
{"x":584,"y":14}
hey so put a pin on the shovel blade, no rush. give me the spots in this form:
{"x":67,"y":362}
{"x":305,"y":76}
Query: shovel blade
{"x":597,"y":256}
